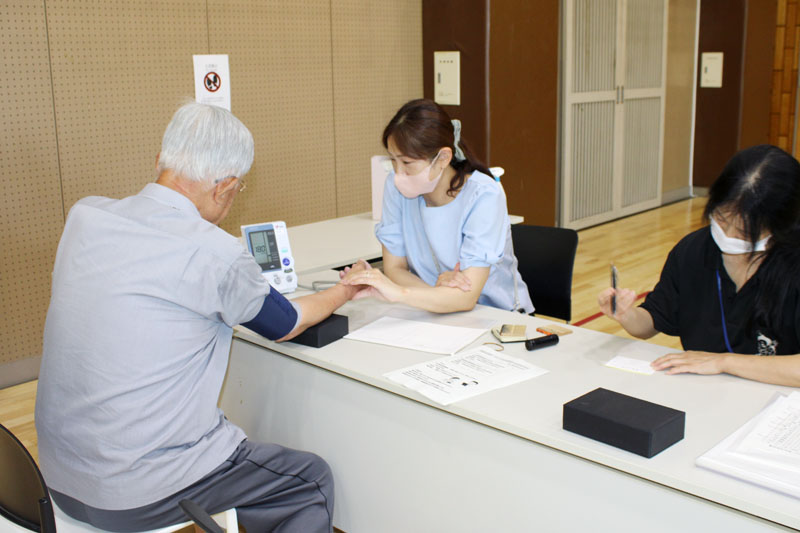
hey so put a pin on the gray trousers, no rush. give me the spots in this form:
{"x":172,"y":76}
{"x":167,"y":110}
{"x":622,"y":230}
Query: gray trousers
{"x":273,"y":489}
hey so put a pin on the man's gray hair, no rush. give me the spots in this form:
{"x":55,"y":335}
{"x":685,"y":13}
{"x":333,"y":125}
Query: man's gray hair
{"x":206,"y":143}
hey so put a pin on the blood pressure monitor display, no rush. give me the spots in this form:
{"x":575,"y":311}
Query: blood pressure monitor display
{"x":269,"y":244}
{"x":265,"y":250}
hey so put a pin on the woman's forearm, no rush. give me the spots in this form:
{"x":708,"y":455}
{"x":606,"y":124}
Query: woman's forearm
{"x":638,"y":322}
{"x":405,"y":278}
{"x":438,"y":299}
{"x":776,"y":369}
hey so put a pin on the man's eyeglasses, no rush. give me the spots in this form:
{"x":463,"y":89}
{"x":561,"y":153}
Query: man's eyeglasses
{"x":242,"y":184}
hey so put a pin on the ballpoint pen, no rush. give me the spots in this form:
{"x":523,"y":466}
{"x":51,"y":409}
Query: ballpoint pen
{"x":614,"y":275}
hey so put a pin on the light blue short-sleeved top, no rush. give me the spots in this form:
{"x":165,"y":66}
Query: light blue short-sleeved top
{"x":144,"y":297}
{"x":473,"y":229}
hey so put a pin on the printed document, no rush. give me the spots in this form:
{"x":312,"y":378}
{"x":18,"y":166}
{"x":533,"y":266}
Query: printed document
{"x":415,"y":335}
{"x":766,"y":450}
{"x":477,"y":370}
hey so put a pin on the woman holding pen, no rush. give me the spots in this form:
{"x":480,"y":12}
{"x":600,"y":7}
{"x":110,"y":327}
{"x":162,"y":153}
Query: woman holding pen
{"x":731,"y":290}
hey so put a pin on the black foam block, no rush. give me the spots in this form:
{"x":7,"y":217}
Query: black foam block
{"x":331,"y":329}
{"x":635,"y":425}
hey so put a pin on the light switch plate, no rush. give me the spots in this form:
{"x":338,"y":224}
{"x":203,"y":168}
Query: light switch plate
{"x":447,"y":78}
{"x":711,"y":69}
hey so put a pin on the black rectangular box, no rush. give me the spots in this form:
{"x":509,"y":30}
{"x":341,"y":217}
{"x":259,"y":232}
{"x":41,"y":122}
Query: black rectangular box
{"x":331,"y":329}
{"x":635,"y":425}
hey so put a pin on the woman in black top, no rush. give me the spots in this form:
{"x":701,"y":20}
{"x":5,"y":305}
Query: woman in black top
{"x":731,"y":290}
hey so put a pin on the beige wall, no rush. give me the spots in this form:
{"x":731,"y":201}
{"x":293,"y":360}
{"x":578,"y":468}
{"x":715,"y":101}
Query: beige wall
{"x":678,"y":103}
{"x":90,"y":86}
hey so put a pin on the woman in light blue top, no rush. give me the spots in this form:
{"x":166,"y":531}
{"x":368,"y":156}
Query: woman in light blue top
{"x":445,"y":229}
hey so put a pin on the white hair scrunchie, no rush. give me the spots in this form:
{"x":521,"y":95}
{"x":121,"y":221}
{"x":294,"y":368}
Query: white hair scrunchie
{"x":459,"y":155}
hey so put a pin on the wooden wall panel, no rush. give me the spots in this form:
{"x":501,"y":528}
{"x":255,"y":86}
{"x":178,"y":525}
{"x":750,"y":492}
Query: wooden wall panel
{"x":281,"y":78}
{"x":759,"y":51}
{"x":377,"y":67}
{"x":784,"y":75}
{"x":120,"y":69}
{"x":717,"y":111}
{"x":31,"y":217}
{"x":523,"y":89}
{"x":678,"y":111}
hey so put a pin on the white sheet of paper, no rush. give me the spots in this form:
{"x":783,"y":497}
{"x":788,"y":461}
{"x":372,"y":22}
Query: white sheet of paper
{"x":776,"y":436}
{"x":415,"y":335}
{"x":766,"y":450}
{"x":212,"y":80}
{"x":450,"y":379}
{"x":631,"y":365}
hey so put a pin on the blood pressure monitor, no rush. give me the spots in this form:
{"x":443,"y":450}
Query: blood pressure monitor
{"x":269,"y":245}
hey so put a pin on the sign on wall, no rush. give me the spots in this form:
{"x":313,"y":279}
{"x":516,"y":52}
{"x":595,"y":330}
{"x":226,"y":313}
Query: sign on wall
{"x":212,"y":80}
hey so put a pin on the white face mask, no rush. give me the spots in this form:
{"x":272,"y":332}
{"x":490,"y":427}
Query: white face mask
{"x":731,"y":245}
{"x":418,"y":184}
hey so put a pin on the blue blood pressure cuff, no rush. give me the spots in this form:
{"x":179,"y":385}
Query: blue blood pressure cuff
{"x":277,"y":317}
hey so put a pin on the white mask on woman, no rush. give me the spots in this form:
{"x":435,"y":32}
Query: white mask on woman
{"x":732,"y":245}
{"x":418,"y":184}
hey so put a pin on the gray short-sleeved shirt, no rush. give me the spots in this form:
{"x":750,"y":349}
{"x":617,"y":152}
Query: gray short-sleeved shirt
{"x":145,"y":295}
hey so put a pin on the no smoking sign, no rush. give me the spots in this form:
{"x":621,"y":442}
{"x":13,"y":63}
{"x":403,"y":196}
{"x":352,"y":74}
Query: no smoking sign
{"x":212,"y":82}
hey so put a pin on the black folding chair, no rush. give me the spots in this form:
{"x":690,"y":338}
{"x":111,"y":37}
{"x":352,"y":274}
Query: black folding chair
{"x":546,"y":259}
{"x":25,"y":501}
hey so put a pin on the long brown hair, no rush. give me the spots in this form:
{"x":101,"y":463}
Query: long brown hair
{"x":420,"y":129}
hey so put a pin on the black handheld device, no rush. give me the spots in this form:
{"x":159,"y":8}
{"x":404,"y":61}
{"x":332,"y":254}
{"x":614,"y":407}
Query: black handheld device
{"x":541,"y":342}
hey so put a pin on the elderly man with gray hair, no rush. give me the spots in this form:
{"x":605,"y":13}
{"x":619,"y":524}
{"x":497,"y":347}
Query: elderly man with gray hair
{"x":145,"y":293}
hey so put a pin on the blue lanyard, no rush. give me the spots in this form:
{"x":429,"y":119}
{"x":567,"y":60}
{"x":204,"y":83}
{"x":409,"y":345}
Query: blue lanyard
{"x":722,"y":312}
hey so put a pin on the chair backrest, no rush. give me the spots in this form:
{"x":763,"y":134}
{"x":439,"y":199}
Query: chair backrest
{"x":546,"y":258}
{"x":24,"y":499}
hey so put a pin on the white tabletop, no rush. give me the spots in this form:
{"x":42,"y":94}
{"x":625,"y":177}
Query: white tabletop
{"x":338,"y":242}
{"x":715,"y":406}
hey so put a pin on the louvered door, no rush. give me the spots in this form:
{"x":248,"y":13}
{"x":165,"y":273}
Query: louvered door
{"x":613,"y":109}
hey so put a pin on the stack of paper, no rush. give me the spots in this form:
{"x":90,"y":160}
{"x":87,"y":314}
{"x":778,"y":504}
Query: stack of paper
{"x":478,"y":370}
{"x":415,"y":335}
{"x":766,"y":450}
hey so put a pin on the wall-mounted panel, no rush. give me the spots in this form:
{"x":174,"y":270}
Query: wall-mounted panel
{"x":32,"y":217}
{"x":280,"y":60}
{"x":377,"y":67}
{"x":120,"y":69}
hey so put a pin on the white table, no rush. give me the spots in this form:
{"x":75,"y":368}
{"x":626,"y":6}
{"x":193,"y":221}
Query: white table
{"x":338,"y":242}
{"x":499,"y":461}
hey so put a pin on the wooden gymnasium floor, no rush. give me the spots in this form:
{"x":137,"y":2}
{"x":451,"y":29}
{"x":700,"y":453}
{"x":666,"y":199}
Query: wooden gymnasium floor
{"x":638,"y":245}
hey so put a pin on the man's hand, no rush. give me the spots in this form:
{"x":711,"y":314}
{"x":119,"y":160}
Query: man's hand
{"x":355,"y":267}
{"x":376,"y":284}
